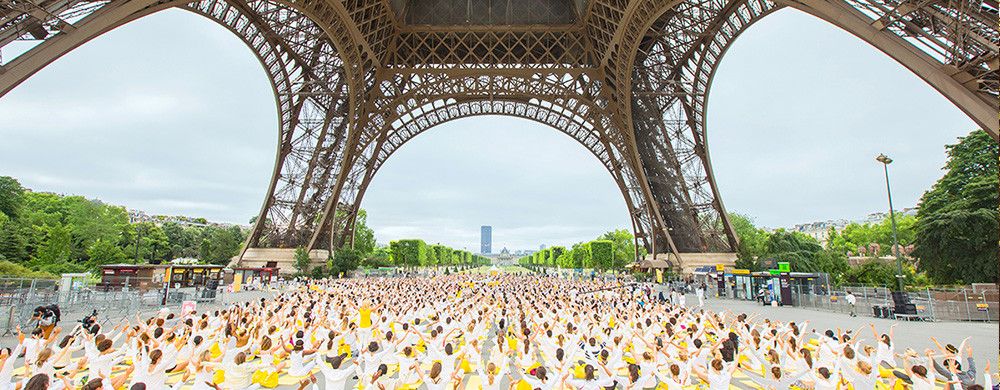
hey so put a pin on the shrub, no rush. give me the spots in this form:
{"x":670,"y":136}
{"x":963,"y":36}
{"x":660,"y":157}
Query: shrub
{"x":16,"y":270}
{"x":602,"y":254}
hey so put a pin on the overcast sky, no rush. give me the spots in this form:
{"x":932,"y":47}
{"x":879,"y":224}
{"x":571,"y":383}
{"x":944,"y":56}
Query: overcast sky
{"x":173,"y":115}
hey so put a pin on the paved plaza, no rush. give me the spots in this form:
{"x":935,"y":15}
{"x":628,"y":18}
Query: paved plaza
{"x":984,"y":336}
{"x":909,"y":334}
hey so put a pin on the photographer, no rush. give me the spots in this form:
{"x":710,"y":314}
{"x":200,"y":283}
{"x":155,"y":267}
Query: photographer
{"x":46,"y":317}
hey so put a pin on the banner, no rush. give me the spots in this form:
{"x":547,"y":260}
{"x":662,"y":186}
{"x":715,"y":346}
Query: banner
{"x":188,"y":307}
{"x":659,"y":275}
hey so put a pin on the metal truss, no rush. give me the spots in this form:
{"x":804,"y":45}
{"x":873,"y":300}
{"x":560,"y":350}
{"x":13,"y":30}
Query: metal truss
{"x":354,"y":80}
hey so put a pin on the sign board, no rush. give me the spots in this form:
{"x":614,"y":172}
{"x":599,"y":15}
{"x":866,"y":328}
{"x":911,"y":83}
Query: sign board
{"x":720,"y":267}
{"x":982,"y":307}
{"x":741,"y":272}
{"x":833,"y":298}
{"x":188,"y":307}
{"x":786,"y":289}
{"x":783,"y":266}
{"x":774,"y":272}
{"x":659,"y":275}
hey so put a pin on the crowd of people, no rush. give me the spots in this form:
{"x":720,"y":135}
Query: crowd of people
{"x":477,"y":331}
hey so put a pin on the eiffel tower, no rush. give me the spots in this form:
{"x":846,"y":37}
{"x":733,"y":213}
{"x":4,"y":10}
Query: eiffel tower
{"x":628,"y":79}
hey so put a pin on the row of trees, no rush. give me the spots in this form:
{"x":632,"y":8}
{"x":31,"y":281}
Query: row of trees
{"x":611,"y":251}
{"x":414,"y":253}
{"x":49,"y":234}
{"x":399,"y":253}
{"x":761,"y":250}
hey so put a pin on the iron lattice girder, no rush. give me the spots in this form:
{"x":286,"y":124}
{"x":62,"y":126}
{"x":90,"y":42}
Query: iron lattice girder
{"x":313,"y":105}
{"x":629,"y":79}
{"x":490,"y":49}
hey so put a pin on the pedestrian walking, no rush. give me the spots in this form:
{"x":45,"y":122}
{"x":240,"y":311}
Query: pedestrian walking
{"x":853,"y":301}
{"x":700,"y":292}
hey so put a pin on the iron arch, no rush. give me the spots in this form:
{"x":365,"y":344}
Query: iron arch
{"x":453,"y":109}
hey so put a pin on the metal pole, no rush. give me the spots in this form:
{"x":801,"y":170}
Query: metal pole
{"x":138,"y":237}
{"x":166,"y":288}
{"x":988,"y":318}
{"x":892,"y":217}
{"x":930,"y":302}
{"x":968,"y":312}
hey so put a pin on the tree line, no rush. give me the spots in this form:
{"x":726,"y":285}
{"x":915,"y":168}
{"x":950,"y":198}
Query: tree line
{"x":415,"y":252}
{"x":613,"y":250}
{"x":45,"y":234}
{"x":399,"y":253}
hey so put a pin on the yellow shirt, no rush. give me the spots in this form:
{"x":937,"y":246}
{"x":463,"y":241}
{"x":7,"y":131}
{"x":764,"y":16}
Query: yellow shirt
{"x":366,"y":317}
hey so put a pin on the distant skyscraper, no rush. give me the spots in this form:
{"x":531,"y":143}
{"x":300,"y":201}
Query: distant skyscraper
{"x":486,"y":239}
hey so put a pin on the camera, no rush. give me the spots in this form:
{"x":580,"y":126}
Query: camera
{"x":46,"y":315}
{"x":89,"y":321}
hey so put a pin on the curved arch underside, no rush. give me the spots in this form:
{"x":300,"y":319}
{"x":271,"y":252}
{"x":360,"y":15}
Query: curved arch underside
{"x":628,"y":79}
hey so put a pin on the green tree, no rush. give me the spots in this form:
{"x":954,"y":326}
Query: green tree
{"x":11,"y":197}
{"x":581,"y":255}
{"x":430,"y":257}
{"x":13,"y":245}
{"x":153,"y":245}
{"x":92,"y":220}
{"x":833,"y":263}
{"x":753,"y":242}
{"x":380,"y":257}
{"x":856,"y":235}
{"x":443,"y":254}
{"x":796,"y":248}
{"x":624,"y":247}
{"x":57,"y":246}
{"x":345,"y":260}
{"x":958,"y":222}
{"x":557,"y":252}
{"x":103,"y":252}
{"x":410,"y":252}
{"x":872,"y":272}
{"x":364,"y":236}
{"x":319,"y":272}
{"x":183,"y":241}
{"x":221,"y":244}
{"x":17,"y":270}
{"x":302,"y":260}
{"x":602,"y":254}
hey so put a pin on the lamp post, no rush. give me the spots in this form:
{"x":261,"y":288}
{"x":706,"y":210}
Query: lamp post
{"x":885,"y":160}
{"x":138,"y":239}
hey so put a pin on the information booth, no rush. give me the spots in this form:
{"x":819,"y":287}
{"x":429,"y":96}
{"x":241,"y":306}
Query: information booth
{"x":145,"y":276}
{"x":251,"y":275}
{"x":787,"y":288}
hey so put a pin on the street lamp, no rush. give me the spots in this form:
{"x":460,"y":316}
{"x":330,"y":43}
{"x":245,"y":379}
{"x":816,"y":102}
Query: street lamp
{"x":885,"y":160}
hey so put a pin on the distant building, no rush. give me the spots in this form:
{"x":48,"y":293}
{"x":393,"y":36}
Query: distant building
{"x":821,"y":230}
{"x":504,"y":258}
{"x":139,"y":216}
{"x":485,"y":239}
{"x":541,"y":247}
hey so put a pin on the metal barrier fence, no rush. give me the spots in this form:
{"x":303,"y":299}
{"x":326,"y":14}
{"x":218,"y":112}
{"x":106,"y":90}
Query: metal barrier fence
{"x":932,"y":304}
{"x":114,"y":302}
